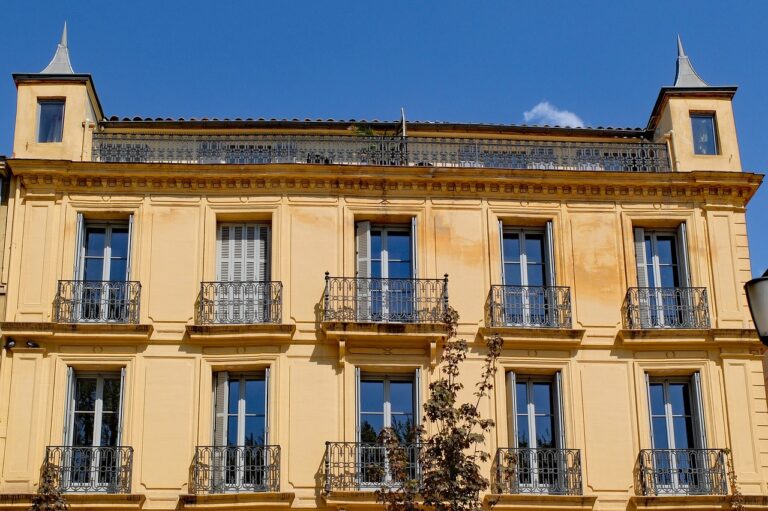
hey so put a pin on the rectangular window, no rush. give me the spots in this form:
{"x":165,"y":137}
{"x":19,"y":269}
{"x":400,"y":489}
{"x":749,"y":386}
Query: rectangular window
{"x":528,"y":276}
{"x":243,"y":293}
{"x":240,"y":431}
{"x":704,"y":130}
{"x":677,"y":433}
{"x":385,"y":401}
{"x":386,"y":269}
{"x":537,"y":436}
{"x":50,"y":123}
{"x":663,"y":277}
{"x":92,"y":429}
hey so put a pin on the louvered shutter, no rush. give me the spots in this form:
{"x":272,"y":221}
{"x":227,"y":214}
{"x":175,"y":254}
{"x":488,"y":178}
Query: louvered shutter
{"x":68,"y":411}
{"x":501,"y":252}
{"x":550,"y":255}
{"x":121,"y":407}
{"x":357,"y":404}
{"x":250,"y":296}
{"x":266,"y":406}
{"x":650,"y":418}
{"x":221,"y":399}
{"x":79,"y":233}
{"x":643,"y":312}
{"x":414,"y":249}
{"x":698,"y":408}
{"x":363,"y":288}
{"x":560,"y":419}
{"x":130,"y":251}
{"x":223,"y":273}
{"x":511,"y":409}
{"x":417,"y":412}
{"x":684,"y":270}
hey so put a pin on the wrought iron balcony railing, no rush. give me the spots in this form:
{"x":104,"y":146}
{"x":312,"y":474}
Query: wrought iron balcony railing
{"x":241,"y":303}
{"x":353,"y":299}
{"x":666,"y":307}
{"x":241,"y":469}
{"x":353,"y":466}
{"x":376,"y":150}
{"x":683,"y":471}
{"x":530,"y":306}
{"x":97,"y":301}
{"x":91,"y":469}
{"x":538,"y":471}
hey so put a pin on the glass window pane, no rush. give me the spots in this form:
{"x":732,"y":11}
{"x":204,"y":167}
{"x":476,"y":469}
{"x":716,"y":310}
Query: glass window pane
{"x":85,"y":394}
{"x":679,"y":398}
{"x":375,"y":269}
{"x":542,"y":397}
{"x":704,"y":138}
{"x":370,"y":426}
{"x":521,"y":396}
{"x":234,"y":396}
{"x":254,"y":396}
{"x":232,"y":430}
{"x":401,"y":396}
{"x":94,"y":269}
{"x":372,"y":396}
{"x":666,"y":249}
{"x":523,"y":438}
{"x":668,"y":276}
{"x":375,"y":244}
{"x":400,"y":270}
{"x":95,"y":238}
{"x":535,"y":274}
{"x":656,"y":391}
{"x":545,"y":432}
{"x":254,"y":430}
{"x":511,"y":247}
{"x":119,"y":242}
{"x":512,"y":275}
{"x":51,"y":124}
{"x":660,"y":440}
{"x":399,"y":245}
{"x":82,"y":432}
{"x":534,"y":247}
{"x":118,"y":270}
{"x":683,"y":432}
{"x":111,"y":395}
{"x":403,"y":426}
{"x":109,"y":429}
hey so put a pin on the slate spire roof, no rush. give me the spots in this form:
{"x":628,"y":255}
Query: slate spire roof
{"x":59,"y":64}
{"x":686,"y":76}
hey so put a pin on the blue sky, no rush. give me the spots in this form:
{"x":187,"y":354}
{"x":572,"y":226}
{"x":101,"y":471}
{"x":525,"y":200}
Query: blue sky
{"x":601,"y":61}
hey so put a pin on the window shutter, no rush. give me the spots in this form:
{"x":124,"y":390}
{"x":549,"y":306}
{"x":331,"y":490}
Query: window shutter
{"x":550,"y":255}
{"x":357,"y":404}
{"x":121,"y":405}
{"x":68,"y":411}
{"x":220,"y":406}
{"x":698,"y":405}
{"x":363,"y":242}
{"x":642,"y":268}
{"x":251,"y":252}
{"x":225,"y":254}
{"x":130,"y":252}
{"x":682,"y":256}
{"x":559,"y":410}
{"x":414,"y":249}
{"x":417,"y":397}
{"x":266,"y":406}
{"x":237,"y":257}
{"x":511,"y":410}
{"x":79,"y":233}
{"x":501,"y":252}
{"x":263,"y":272}
{"x":648,"y":397}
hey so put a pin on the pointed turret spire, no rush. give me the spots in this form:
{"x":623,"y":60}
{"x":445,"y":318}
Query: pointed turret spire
{"x":60,"y":64}
{"x":686,"y":76}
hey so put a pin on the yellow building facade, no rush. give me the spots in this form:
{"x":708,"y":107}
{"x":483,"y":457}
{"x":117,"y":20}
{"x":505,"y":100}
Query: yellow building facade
{"x":222,"y":314}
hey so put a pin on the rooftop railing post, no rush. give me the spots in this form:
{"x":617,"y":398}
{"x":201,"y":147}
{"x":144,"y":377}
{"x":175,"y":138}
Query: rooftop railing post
{"x":445,"y":293}
{"x":327,"y":460}
{"x":326,"y":295}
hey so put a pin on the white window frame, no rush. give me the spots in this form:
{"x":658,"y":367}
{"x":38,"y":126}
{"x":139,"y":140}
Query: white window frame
{"x":107,"y":253}
{"x":40,"y":101}
{"x":715,"y":134}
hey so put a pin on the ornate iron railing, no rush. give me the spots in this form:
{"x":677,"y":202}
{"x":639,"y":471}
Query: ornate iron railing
{"x":666,"y":307}
{"x":91,"y":469}
{"x":538,"y":471}
{"x":683,"y":471}
{"x":530,"y":306}
{"x":353,"y":466}
{"x":97,"y":301}
{"x":236,"y":469}
{"x":371,"y":300}
{"x":376,"y":150}
{"x":247,"y":302}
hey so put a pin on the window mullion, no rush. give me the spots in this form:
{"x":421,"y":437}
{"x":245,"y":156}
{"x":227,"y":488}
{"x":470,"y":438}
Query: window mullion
{"x":97,"y":412}
{"x":107,"y":252}
{"x":241,"y":413}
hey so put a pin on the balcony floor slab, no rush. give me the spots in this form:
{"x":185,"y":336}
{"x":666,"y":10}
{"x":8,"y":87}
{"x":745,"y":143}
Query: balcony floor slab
{"x":88,"y":332}
{"x":537,"y":335}
{"x":233,"y":501}
{"x":241,"y":334}
{"x":695,"y":502}
{"x":79,"y":501}
{"x":524,"y":502}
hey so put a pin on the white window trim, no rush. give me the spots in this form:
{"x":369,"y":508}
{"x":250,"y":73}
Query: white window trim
{"x":107,"y":253}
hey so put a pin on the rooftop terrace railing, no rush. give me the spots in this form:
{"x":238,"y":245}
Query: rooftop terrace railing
{"x":381,"y":151}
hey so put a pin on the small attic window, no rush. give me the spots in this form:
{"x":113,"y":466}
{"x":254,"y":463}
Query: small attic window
{"x":50,"y":123}
{"x":704,"y":133}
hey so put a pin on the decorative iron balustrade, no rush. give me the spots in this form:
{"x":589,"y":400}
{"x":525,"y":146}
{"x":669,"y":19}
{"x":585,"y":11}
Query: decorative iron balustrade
{"x":354,"y":466}
{"x":538,"y":471}
{"x":530,"y":306}
{"x":241,"y":303}
{"x":91,"y":469}
{"x":683,"y":472}
{"x":374,"y":300}
{"x":377,"y":150}
{"x":97,"y":301}
{"x":238,"y":469}
{"x":666,"y":307}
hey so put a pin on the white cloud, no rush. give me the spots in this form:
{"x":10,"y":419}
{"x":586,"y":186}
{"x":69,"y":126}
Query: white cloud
{"x":547,"y":113}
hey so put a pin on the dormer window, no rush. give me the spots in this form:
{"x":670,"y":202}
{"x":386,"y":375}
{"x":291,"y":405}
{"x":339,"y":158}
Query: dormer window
{"x":704,"y":133}
{"x":50,"y":125}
